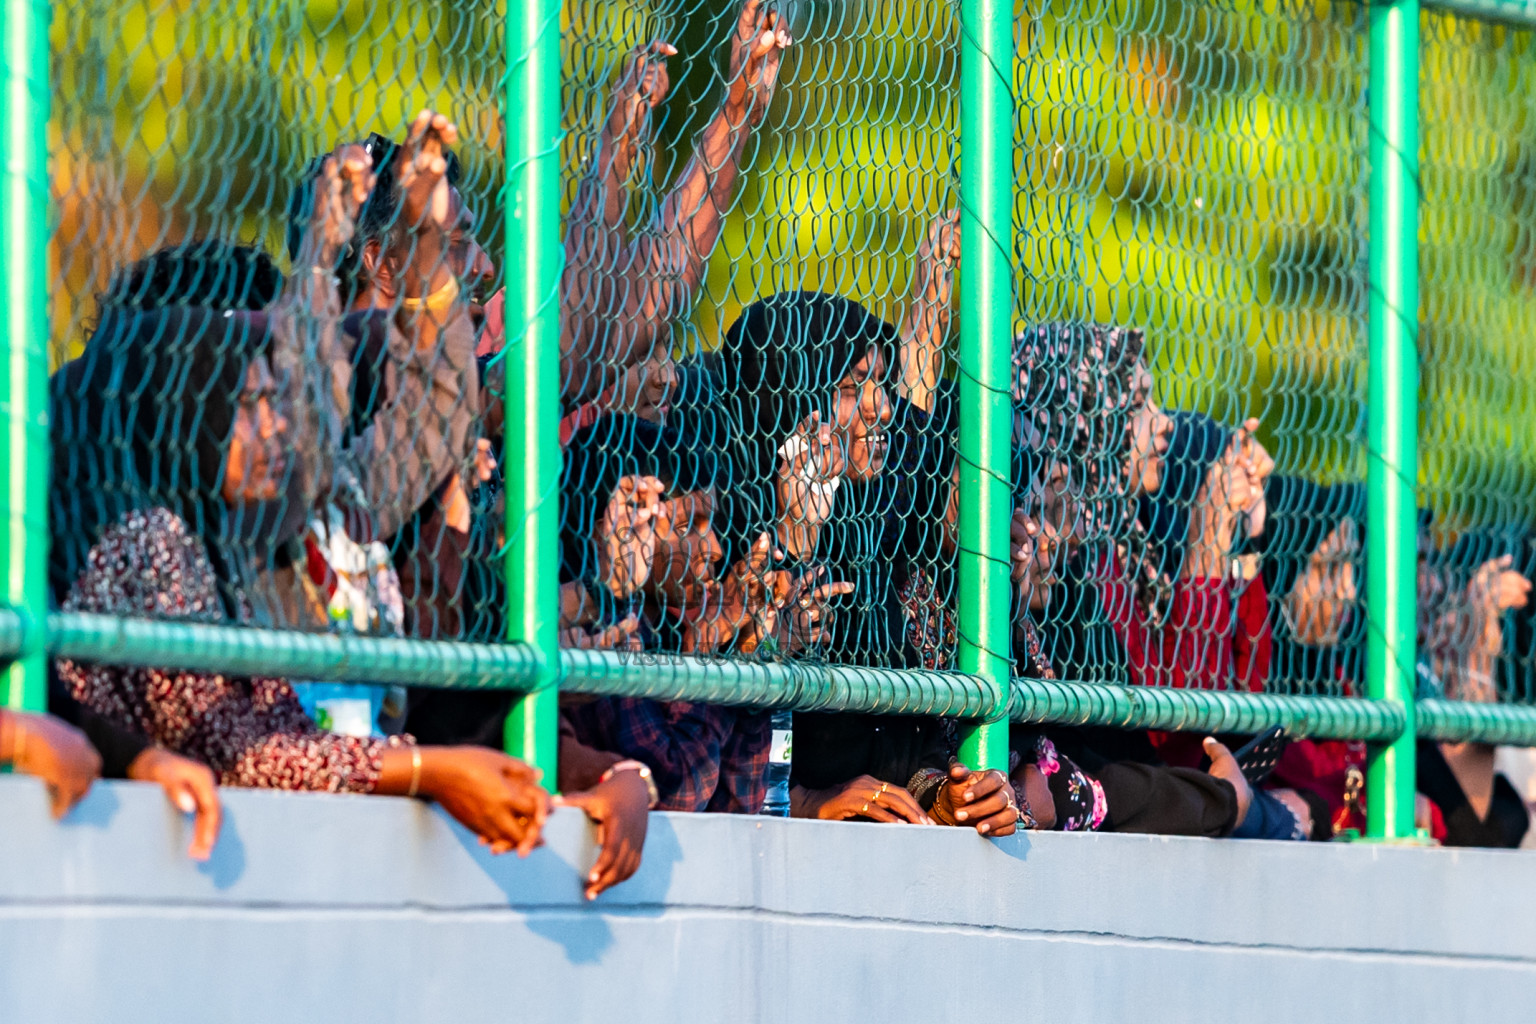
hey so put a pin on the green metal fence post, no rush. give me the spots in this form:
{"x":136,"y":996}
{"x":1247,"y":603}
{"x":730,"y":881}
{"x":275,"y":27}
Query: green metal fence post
{"x":24,"y":278}
{"x":531,"y":453}
{"x":986,"y":339}
{"x":1392,"y":459}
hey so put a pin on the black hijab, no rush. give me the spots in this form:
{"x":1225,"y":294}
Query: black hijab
{"x":143,"y":419}
{"x":1300,"y":516}
{"x":1198,"y":442}
{"x":783,"y":360}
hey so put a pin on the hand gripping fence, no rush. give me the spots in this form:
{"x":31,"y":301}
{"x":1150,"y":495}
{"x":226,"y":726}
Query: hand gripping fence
{"x":879,"y":358}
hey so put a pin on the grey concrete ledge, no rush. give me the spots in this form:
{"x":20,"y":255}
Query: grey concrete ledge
{"x":358,"y":908}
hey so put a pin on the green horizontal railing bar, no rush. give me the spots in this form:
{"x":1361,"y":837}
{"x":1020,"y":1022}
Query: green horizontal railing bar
{"x":797,"y":685}
{"x":203,"y":647}
{"x":1451,"y":721}
{"x":1510,"y":12}
{"x":240,"y":651}
{"x":1157,"y":707}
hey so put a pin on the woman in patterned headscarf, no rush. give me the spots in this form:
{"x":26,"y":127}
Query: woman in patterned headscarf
{"x":1073,"y":427}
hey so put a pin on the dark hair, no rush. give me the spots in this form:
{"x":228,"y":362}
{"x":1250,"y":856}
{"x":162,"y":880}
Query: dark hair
{"x":142,"y":419}
{"x":378,"y":220}
{"x":783,"y":359}
{"x":599,"y":455}
{"x":206,"y":273}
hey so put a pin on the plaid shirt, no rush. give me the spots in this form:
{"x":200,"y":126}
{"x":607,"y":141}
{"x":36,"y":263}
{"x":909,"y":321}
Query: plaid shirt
{"x":702,"y":757}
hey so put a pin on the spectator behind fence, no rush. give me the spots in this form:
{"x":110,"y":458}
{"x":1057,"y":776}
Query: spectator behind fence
{"x":1202,"y":622}
{"x":190,"y":374}
{"x":71,"y":745}
{"x":1072,"y":410}
{"x":619,"y":295}
{"x":1471,"y":804}
{"x":804,"y":387}
{"x":1209,"y":502}
{"x":404,"y":397}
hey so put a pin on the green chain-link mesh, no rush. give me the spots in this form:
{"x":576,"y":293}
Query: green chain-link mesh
{"x":1193,"y":172}
{"x":1477,"y":103}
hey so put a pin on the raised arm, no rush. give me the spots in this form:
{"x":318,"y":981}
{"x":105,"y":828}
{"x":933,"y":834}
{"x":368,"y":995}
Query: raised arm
{"x":591,"y":284}
{"x":666,"y":262}
{"x":595,"y":233}
{"x":926,"y":321}
{"x":312,"y":368}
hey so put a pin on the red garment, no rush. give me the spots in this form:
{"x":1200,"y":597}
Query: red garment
{"x":1322,"y":767}
{"x":1209,"y":642}
{"x":583,"y":416}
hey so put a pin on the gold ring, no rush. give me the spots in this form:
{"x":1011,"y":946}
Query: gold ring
{"x":865,"y":807}
{"x":884,"y":786}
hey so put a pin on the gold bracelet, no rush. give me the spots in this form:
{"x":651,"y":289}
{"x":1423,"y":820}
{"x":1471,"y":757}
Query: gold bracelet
{"x":440,"y":299}
{"x":415,"y":771}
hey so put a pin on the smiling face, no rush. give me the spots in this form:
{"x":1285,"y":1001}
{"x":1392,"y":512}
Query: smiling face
{"x":1322,"y":597}
{"x":863,"y":413}
{"x":687,"y":548}
{"x":467,"y":261}
{"x":255,"y":463}
{"x":1151,"y":432}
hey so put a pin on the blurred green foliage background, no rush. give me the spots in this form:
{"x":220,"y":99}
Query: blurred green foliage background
{"x":1198,"y":169}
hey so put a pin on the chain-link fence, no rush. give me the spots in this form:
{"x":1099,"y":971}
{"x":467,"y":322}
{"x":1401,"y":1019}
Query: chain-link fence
{"x":1478,"y":309}
{"x":302,"y":361}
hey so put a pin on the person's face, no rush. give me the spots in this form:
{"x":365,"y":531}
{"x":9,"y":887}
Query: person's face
{"x":1052,"y":515}
{"x":687,"y":549}
{"x":1322,"y":597}
{"x":466,"y":259}
{"x":646,"y":388}
{"x":863,"y":413}
{"x":255,"y":463}
{"x":1151,"y":432}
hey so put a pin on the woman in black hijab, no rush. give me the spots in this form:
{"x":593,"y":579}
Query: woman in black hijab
{"x":835,"y":476}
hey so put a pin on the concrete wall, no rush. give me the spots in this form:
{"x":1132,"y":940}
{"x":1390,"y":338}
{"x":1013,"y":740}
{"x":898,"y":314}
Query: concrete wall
{"x":372,"y":909}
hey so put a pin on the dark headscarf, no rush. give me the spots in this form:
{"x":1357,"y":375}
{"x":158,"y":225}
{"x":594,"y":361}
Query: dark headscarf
{"x":1299,"y":517}
{"x":143,"y":419}
{"x":1073,"y":400}
{"x":783,"y":359}
{"x":601,"y":454}
{"x":1198,"y":442}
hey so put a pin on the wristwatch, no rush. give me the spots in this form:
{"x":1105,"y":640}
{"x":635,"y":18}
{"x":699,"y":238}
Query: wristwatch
{"x":645,"y":773}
